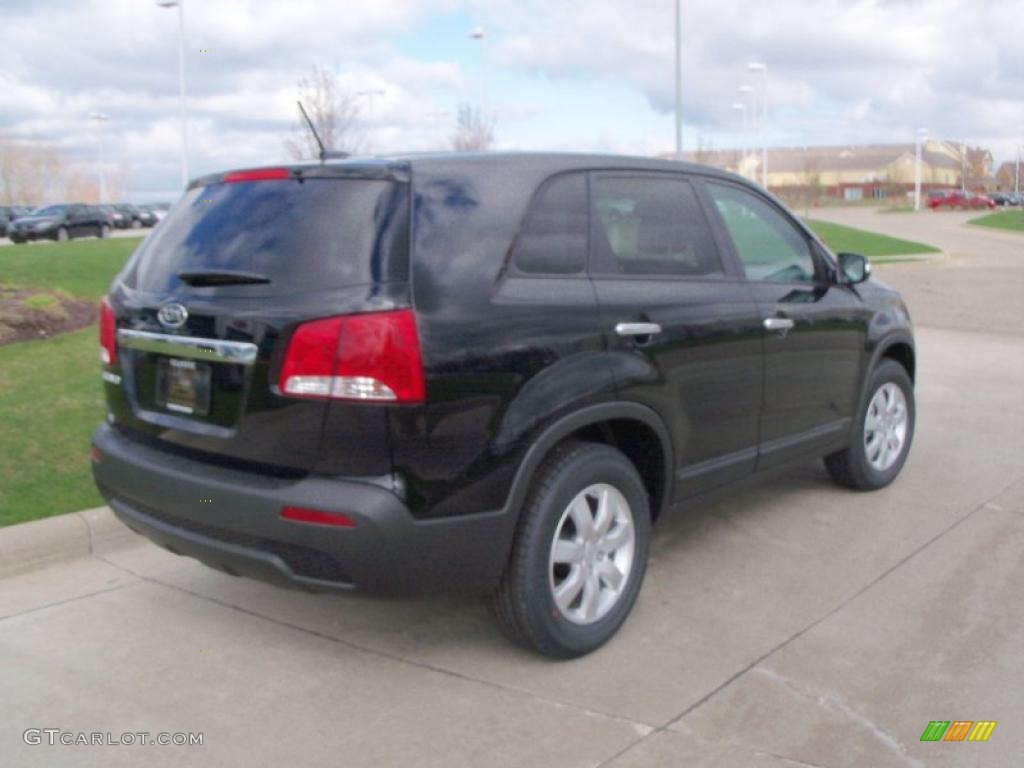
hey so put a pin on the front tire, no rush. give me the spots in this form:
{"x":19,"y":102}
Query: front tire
{"x":579,"y":555}
{"x":881,"y":437}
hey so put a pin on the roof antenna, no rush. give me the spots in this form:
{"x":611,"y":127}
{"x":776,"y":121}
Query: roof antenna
{"x":324,"y":152}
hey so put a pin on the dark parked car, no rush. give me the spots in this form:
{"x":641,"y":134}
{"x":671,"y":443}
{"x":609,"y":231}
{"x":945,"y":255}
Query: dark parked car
{"x":114,"y":217}
{"x":485,"y":373}
{"x":135,"y":216}
{"x":60,"y":222}
{"x":1005,"y":199}
{"x":9,"y":213}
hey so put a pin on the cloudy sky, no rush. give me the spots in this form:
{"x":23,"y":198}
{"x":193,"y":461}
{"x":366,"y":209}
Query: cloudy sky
{"x":594,"y":75}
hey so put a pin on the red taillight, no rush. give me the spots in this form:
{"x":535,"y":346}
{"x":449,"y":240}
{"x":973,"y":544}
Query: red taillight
{"x":373,"y":357}
{"x":108,"y":341}
{"x":257,"y":174}
{"x":94,"y":454}
{"x":304,"y":515}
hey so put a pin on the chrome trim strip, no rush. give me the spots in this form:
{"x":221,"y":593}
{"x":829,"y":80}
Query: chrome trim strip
{"x":218,"y":350}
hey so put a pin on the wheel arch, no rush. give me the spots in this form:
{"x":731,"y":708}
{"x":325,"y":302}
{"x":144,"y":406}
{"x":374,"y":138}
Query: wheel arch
{"x":634,"y":429}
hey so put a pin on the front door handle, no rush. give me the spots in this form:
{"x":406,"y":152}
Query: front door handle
{"x":637,"y":329}
{"x":778,"y":324}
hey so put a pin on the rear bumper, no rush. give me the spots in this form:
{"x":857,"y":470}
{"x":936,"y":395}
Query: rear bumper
{"x":230,"y":520}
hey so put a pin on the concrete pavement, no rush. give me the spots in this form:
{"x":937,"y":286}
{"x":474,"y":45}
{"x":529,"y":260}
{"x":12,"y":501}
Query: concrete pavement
{"x":792,"y":624}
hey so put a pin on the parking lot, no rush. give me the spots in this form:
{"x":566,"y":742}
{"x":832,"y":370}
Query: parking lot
{"x":789,"y":624}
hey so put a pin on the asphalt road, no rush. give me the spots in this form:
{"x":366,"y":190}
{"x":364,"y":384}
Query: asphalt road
{"x":792,"y":624}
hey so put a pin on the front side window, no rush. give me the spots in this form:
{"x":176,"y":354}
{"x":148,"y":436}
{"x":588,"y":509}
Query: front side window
{"x":769,"y":246}
{"x":650,"y":225}
{"x":553,"y":238}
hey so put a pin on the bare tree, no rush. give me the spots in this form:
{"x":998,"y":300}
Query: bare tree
{"x":333,"y":110}
{"x":30,"y":171}
{"x":473,"y":130}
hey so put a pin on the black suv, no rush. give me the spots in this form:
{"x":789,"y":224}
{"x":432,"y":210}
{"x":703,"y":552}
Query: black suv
{"x":60,"y":222}
{"x":486,"y":373}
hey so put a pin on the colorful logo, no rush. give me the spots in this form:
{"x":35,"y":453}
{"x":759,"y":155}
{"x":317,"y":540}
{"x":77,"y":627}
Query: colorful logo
{"x":958,"y":730}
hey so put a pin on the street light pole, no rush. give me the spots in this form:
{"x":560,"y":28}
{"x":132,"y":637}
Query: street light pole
{"x":480,"y":35}
{"x":742,"y":109}
{"x":1016,"y":190}
{"x":759,"y":66}
{"x":751,"y":111}
{"x":920,"y":136}
{"x":370,"y":94}
{"x":100,"y":118}
{"x":179,"y":4}
{"x":679,"y":79}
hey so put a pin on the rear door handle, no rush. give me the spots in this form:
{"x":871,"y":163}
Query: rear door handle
{"x":637,"y":329}
{"x":778,"y":324}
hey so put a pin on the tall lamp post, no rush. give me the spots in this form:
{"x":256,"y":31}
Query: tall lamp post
{"x":181,"y":83}
{"x":480,"y":35}
{"x":1016,"y":185}
{"x":760,"y":66}
{"x":751,"y":144}
{"x":99,"y":118}
{"x":679,"y":79}
{"x":922,"y":134}
{"x":742,"y":109}
{"x":370,"y":95}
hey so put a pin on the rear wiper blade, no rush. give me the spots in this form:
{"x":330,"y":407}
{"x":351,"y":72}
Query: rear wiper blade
{"x":221,"y":277}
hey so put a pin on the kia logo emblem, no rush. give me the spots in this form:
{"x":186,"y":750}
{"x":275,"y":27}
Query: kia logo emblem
{"x":172,"y":315}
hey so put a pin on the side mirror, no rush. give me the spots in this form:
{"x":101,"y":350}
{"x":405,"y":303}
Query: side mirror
{"x":853,"y":268}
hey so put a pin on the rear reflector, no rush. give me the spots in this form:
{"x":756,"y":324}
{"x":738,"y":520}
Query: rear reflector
{"x":370,"y":358}
{"x":108,"y":342}
{"x":318,"y":517}
{"x":258,"y":174}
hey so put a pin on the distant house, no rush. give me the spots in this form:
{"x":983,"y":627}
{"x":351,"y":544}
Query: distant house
{"x":1006,"y":177}
{"x":853,"y":173}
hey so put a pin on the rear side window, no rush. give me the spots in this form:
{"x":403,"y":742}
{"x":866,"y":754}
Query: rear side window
{"x":311,"y":235}
{"x":553,"y":238}
{"x":651,"y":225}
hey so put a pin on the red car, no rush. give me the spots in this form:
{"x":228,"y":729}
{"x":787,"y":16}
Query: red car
{"x":958,"y":199}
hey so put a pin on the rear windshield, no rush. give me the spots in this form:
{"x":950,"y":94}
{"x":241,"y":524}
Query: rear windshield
{"x":311,"y":235}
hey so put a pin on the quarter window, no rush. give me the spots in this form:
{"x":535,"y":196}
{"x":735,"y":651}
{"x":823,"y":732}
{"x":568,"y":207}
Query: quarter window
{"x":650,"y":225}
{"x":553,"y":238}
{"x":769,"y":246}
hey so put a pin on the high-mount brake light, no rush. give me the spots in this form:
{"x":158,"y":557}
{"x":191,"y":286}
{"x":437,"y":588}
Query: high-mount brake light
{"x":257,"y":174}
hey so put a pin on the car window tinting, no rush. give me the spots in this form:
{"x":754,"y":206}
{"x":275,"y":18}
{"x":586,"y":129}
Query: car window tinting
{"x":553,"y":238}
{"x":314,"y":235}
{"x":647,"y":225}
{"x":769,"y":246}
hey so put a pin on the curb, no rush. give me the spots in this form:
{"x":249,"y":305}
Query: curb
{"x":30,"y":546}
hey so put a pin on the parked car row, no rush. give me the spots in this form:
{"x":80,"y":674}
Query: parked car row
{"x":70,"y":220}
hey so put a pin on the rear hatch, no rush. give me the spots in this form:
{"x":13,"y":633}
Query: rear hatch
{"x":200,"y":318}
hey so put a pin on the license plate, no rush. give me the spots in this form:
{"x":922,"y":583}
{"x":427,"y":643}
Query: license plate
{"x":183,"y":386}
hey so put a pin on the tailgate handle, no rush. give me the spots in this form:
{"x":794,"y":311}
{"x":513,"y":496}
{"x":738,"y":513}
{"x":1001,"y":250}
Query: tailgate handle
{"x":217,"y":350}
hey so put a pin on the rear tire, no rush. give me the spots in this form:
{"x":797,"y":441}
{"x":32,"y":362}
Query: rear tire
{"x":569,"y":587}
{"x":881,"y":436}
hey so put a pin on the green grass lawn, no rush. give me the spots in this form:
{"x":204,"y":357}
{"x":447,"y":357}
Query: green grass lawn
{"x":50,"y":392}
{"x":1012,"y":220}
{"x":81,"y":268}
{"x":50,"y":401}
{"x":871,"y":244}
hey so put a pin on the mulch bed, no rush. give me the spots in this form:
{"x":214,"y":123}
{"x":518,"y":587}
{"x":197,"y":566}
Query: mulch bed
{"x":19,"y":322}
